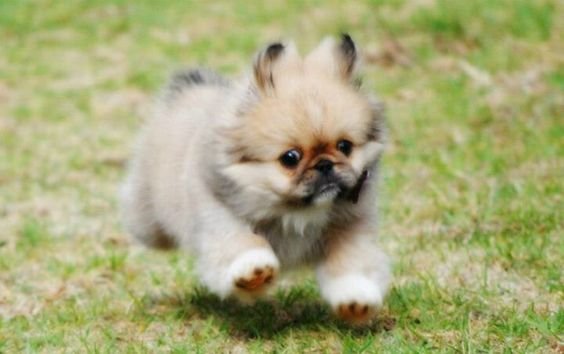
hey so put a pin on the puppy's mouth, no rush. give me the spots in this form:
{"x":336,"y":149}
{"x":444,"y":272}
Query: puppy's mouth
{"x":325,"y":190}
{"x":329,"y":189}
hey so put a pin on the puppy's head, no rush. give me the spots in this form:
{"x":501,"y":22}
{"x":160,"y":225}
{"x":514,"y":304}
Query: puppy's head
{"x":309,"y":137}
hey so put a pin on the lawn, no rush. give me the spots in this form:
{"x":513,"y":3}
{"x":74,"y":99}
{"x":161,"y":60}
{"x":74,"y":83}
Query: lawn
{"x":472,"y":194}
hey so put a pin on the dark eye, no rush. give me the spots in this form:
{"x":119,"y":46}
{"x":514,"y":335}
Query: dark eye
{"x":345,"y":147}
{"x":290,"y":158}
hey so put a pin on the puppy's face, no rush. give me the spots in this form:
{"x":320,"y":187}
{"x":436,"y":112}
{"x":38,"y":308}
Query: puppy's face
{"x":311,"y":137}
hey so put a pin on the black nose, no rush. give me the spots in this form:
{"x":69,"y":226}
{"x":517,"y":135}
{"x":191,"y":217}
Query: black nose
{"x":324,"y":166}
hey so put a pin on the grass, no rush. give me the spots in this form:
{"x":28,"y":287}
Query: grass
{"x":472,"y":197}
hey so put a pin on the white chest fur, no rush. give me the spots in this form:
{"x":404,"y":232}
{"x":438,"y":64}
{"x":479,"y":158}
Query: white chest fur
{"x":297,"y":237}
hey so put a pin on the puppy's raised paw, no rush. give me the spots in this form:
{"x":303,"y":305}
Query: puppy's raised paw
{"x":252,"y":273}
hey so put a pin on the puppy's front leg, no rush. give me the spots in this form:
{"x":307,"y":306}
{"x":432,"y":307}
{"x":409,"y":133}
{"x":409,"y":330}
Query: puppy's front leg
{"x":354,"y":274}
{"x":233,"y":261}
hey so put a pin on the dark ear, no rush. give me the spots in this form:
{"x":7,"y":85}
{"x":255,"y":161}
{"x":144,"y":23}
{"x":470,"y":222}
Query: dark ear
{"x":338,"y":58}
{"x":263,"y":66}
{"x":347,"y":50}
{"x":270,"y":61}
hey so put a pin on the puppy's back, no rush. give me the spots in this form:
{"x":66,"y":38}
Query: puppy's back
{"x":165,"y":166}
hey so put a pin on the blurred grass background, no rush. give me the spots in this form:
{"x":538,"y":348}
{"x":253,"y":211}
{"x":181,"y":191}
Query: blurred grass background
{"x":472,"y":180}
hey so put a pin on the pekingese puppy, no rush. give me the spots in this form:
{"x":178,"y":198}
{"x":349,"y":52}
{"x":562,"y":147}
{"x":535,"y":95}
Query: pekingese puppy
{"x":268,"y":173}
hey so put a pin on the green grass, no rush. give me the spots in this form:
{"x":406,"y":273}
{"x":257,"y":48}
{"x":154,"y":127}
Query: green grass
{"x":472,"y":192}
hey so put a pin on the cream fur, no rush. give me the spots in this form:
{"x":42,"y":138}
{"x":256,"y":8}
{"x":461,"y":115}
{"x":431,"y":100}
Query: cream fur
{"x":205,"y":175}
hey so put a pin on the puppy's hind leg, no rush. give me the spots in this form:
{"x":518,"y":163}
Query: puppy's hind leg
{"x":138,"y":215}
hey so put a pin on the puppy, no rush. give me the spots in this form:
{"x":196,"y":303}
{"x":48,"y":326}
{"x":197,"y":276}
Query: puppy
{"x":271,"y":172}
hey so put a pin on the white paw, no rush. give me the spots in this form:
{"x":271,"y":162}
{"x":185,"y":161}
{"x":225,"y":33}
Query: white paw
{"x":252,"y":273}
{"x":353,"y":297}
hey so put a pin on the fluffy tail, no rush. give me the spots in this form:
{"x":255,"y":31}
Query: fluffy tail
{"x":188,"y":78}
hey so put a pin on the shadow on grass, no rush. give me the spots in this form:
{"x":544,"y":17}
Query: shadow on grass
{"x":290,"y":309}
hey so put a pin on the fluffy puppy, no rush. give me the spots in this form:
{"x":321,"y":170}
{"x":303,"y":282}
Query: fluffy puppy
{"x":271,"y":172}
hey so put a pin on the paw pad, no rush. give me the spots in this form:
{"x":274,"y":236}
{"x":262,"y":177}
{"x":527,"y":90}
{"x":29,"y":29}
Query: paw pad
{"x":256,"y":281}
{"x":356,"y":313}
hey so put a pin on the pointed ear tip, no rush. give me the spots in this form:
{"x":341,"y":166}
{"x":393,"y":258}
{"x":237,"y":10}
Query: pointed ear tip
{"x":275,"y":45}
{"x":347,"y":41}
{"x":274,"y":49}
